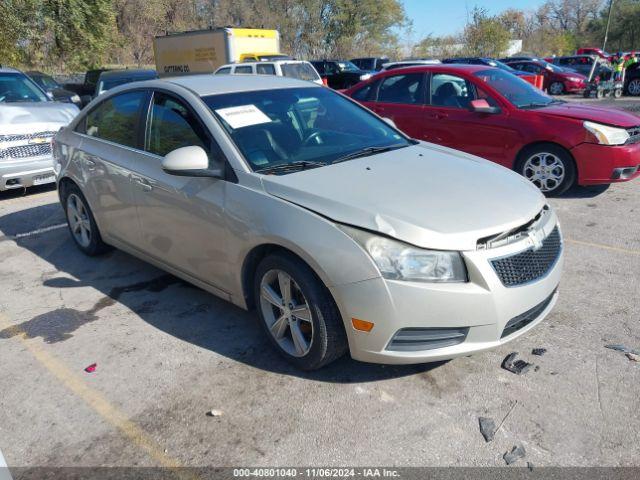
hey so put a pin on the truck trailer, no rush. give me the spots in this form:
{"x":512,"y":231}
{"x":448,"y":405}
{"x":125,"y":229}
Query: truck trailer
{"x":203,"y":51}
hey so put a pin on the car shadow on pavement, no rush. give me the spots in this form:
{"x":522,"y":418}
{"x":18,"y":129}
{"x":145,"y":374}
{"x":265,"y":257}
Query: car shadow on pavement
{"x":578,"y":191}
{"x":25,"y":192}
{"x":158,"y":298}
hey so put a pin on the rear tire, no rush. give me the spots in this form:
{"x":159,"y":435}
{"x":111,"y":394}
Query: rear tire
{"x":298,"y":313}
{"x":82,"y":224}
{"x":549,"y":167}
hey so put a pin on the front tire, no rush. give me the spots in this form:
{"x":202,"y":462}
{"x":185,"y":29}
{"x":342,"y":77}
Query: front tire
{"x":82,"y":224}
{"x":633,"y":87}
{"x":549,"y":167}
{"x":556,"y":88}
{"x":298,"y":313}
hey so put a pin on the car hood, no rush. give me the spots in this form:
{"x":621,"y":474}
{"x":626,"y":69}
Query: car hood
{"x":16,"y":117}
{"x":426,"y":195}
{"x":608,"y":116}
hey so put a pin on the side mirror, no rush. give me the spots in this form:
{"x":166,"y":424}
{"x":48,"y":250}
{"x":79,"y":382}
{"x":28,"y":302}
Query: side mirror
{"x":190,"y":161}
{"x":482,"y":106}
{"x":390,"y":122}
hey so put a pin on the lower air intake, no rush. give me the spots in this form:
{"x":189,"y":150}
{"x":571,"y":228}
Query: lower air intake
{"x":416,"y":339}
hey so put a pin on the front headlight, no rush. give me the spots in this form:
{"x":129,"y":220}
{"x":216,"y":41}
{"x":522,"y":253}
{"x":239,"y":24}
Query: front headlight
{"x":607,"y":135}
{"x":400,"y":261}
{"x":364,"y":77}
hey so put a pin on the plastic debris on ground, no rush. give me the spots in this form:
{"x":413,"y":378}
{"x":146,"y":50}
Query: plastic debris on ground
{"x":514,"y":455}
{"x":515,"y":366}
{"x":633,"y":357}
{"x":487,"y":428}
{"x":91,"y":368}
{"x":214,"y":413}
{"x":539,"y":351}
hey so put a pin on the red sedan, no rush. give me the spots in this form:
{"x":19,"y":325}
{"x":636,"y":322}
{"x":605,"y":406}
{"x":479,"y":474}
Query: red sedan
{"x":556,"y":79}
{"x":495,"y":115}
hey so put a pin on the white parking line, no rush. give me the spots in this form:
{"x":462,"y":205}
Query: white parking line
{"x":5,"y":474}
{"x":37,"y":231}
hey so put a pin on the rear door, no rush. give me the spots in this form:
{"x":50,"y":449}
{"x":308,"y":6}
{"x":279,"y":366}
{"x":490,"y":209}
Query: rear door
{"x":111,"y":147}
{"x":181,"y":218}
{"x":401,"y":98}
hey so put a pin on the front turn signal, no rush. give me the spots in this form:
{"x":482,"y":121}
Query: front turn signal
{"x":361,"y":325}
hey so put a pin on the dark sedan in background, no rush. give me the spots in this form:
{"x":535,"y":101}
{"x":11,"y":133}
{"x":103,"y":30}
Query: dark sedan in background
{"x":54,"y":89}
{"x":340,"y":74}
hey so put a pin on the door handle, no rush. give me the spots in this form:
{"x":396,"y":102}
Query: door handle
{"x":143,"y":183}
{"x":91,"y":165}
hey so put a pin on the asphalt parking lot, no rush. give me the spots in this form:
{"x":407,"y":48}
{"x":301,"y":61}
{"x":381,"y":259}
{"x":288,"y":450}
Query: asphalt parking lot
{"x":167,"y":353}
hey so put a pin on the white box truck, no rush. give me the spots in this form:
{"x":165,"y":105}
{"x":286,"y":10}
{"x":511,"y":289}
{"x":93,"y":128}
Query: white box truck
{"x":203,"y":51}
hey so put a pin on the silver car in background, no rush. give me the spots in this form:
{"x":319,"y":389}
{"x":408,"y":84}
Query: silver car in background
{"x":287,"y":197}
{"x":28,"y":122}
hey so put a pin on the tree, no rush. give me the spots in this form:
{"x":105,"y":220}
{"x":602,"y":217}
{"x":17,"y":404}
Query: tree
{"x":18,"y":24}
{"x":485,"y":36}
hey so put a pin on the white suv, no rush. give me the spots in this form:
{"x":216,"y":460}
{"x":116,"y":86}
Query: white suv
{"x":281,"y":68}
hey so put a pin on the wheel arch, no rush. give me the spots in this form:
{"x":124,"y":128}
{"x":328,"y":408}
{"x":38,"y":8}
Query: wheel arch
{"x":530,"y":146}
{"x":253,"y":259}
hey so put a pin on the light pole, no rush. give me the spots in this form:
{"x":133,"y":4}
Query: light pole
{"x":606,"y":32}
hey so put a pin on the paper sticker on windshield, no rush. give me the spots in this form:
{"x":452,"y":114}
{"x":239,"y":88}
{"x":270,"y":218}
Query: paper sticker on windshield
{"x":243,"y":116}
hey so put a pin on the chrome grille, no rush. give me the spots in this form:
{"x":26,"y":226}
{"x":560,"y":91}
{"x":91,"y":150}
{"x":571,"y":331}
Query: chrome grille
{"x":634,"y":135}
{"x":530,"y":265}
{"x":25,"y":136}
{"x":26,"y":151}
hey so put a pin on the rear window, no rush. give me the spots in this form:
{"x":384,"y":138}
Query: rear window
{"x":301,"y":71}
{"x":265,"y":69}
{"x":224,"y":71}
{"x":243,"y":69}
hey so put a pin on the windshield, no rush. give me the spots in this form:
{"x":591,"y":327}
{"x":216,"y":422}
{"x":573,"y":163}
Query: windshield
{"x":301,"y":71}
{"x":110,"y":83}
{"x":347,"y":67}
{"x":309,"y":125}
{"x":45,"y":82}
{"x":520,"y":93}
{"x":15,"y":87}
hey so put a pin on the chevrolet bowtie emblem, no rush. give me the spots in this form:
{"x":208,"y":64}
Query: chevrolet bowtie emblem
{"x":537,"y":238}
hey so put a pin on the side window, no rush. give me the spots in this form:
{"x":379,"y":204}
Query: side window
{"x":319,"y":66}
{"x":116,"y":119}
{"x":243,"y":69}
{"x":172,"y":125}
{"x":365,"y":94}
{"x":532,"y":68}
{"x":265,"y":69}
{"x":331,"y":68}
{"x":451,"y":91}
{"x":224,"y":71}
{"x":406,"y":89}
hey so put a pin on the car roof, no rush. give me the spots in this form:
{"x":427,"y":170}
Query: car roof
{"x":241,"y":64}
{"x":444,"y":67}
{"x":8,"y":70}
{"x":209,"y":84}
{"x":125,"y":73}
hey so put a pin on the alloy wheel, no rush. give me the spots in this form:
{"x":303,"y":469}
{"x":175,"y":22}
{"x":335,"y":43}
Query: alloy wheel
{"x":556,"y":88}
{"x":634,"y":87}
{"x":79,"y":221}
{"x":545,"y":170}
{"x":286,"y":312}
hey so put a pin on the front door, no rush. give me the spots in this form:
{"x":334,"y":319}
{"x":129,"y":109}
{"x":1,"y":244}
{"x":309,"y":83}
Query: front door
{"x":451,"y":121}
{"x":182,"y":219}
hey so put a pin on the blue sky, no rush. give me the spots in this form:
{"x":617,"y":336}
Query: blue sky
{"x":444,"y":17}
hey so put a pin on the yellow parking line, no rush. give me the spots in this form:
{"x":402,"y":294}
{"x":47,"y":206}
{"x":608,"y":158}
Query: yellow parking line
{"x":96,"y":401}
{"x":603,"y":246}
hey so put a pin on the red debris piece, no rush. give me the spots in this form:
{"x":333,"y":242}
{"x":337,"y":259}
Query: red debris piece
{"x":91,"y":368}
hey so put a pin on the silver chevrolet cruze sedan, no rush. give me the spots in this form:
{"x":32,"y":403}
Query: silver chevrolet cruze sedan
{"x":284,"y":196}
